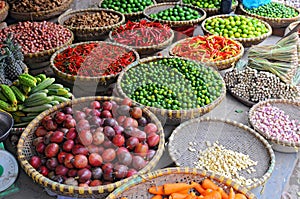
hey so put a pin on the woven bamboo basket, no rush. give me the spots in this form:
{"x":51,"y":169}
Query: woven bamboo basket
{"x":274,"y":22}
{"x":25,"y":151}
{"x":232,"y":135}
{"x":148,"y":50}
{"x":247,"y":42}
{"x":131,"y":16}
{"x":86,"y":33}
{"x":220,"y":65}
{"x":290,"y":108}
{"x":163,"y":6}
{"x":41,"y":15}
{"x":172,"y":117}
{"x":4,"y":12}
{"x":138,"y":187}
{"x":88,"y":83}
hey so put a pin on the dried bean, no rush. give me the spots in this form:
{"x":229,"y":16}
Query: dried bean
{"x":35,"y":5}
{"x":37,"y":36}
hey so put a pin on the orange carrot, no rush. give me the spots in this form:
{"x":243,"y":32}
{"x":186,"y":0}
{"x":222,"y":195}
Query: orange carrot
{"x":208,"y":184}
{"x":213,"y":195}
{"x":157,"y":197}
{"x":231,"y":194}
{"x":198,"y":187}
{"x":178,"y":196}
{"x":176,"y":187}
{"x":207,"y":192}
{"x":156,"y":190}
{"x":223,"y":193}
{"x":185,"y":191}
{"x":240,"y":196}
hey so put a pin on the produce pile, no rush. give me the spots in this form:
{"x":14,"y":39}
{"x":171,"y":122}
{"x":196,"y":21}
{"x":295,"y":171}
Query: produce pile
{"x":94,"y":143}
{"x":172,"y":83}
{"x":205,"y":3}
{"x":37,"y":36}
{"x":237,"y":26}
{"x":276,"y":123}
{"x":2,"y":4}
{"x":35,"y":6}
{"x":28,"y":96}
{"x":125,"y":6}
{"x":207,"y":48}
{"x":94,"y":59}
{"x":177,"y":13}
{"x":274,"y":10}
{"x":142,"y":33}
{"x":93,"y":20}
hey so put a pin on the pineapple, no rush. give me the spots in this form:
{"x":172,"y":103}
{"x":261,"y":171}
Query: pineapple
{"x":14,"y":47}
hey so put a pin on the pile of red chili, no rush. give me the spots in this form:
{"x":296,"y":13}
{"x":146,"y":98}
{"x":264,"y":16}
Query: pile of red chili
{"x":207,"y":48}
{"x":142,"y":33}
{"x":94,"y":59}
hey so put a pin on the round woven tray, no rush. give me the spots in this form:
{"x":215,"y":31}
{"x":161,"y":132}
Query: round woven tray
{"x":131,"y":16}
{"x":88,"y":83}
{"x":247,"y":42}
{"x":290,"y":108}
{"x":232,"y":135}
{"x":221,"y":65}
{"x":25,"y":151}
{"x":148,"y":50}
{"x":274,"y":22}
{"x":163,"y":6}
{"x":86,"y":33}
{"x":242,"y":100}
{"x":41,"y":15}
{"x":138,"y":187}
{"x":172,"y":117}
{"x":4,"y":12}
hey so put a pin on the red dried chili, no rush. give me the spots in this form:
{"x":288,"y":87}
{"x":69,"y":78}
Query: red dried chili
{"x":207,"y":48}
{"x":94,"y":59}
{"x":142,"y":33}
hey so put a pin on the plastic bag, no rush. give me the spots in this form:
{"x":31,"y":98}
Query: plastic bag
{"x":255,"y":3}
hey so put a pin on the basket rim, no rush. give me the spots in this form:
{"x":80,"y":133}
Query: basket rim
{"x":133,"y":14}
{"x":139,"y":48}
{"x":181,"y":170}
{"x":61,"y":19}
{"x":176,"y":23}
{"x":220,"y":62}
{"x":167,"y":111}
{"x":46,"y":182}
{"x":261,"y":37}
{"x":89,"y":78}
{"x":66,"y":2}
{"x":271,"y":18}
{"x":267,"y":136}
{"x":268,"y":147}
{"x":244,"y":101}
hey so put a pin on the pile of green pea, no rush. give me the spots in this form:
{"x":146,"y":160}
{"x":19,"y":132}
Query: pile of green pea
{"x":126,"y":6}
{"x":274,"y":10}
{"x":237,"y":26}
{"x":172,"y":83}
{"x":177,"y":13}
{"x":205,"y":3}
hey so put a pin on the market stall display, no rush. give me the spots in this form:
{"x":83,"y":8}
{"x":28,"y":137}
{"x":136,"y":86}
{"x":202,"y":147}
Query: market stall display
{"x":277,"y":15}
{"x":4,"y":7}
{"x":216,"y":144}
{"x":216,"y":51}
{"x":247,"y":30}
{"x":145,"y":37}
{"x":93,"y":163}
{"x":91,"y":24}
{"x":182,"y":180}
{"x":29,"y":10}
{"x":88,"y":64}
{"x":175,"y":89}
{"x":275,"y":119}
{"x":36,"y":47}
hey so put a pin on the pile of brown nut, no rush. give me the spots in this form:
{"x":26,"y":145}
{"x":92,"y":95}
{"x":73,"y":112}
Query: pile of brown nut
{"x":35,"y":5}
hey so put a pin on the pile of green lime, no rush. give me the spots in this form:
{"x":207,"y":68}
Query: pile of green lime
{"x":177,"y":13}
{"x":274,"y":10}
{"x":172,"y":83}
{"x":126,"y":6}
{"x":237,"y":26}
{"x":205,"y":3}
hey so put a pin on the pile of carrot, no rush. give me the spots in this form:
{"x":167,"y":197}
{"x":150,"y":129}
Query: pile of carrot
{"x":207,"y":189}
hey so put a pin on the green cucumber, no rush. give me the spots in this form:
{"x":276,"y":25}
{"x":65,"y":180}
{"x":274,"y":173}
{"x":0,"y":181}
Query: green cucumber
{"x":7,"y":107}
{"x":27,"y":118}
{"x":59,"y":91}
{"x":32,"y":114}
{"x":60,"y":99}
{"x":22,"y":124}
{"x":35,"y":97}
{"x":2,"y":97}
{"x":20,"y":96}
{"x":55,"y":86}
{"x":42,"y":76}
{"x":44,"y":84}
{"x":9,"y":94}
{"x":54,"y":102}
{"x":37,"y":109}
{"x":26,"y":89}
{"x":68,"y":95}
{"x":41,"y":101}
{"x":24,"y":80}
